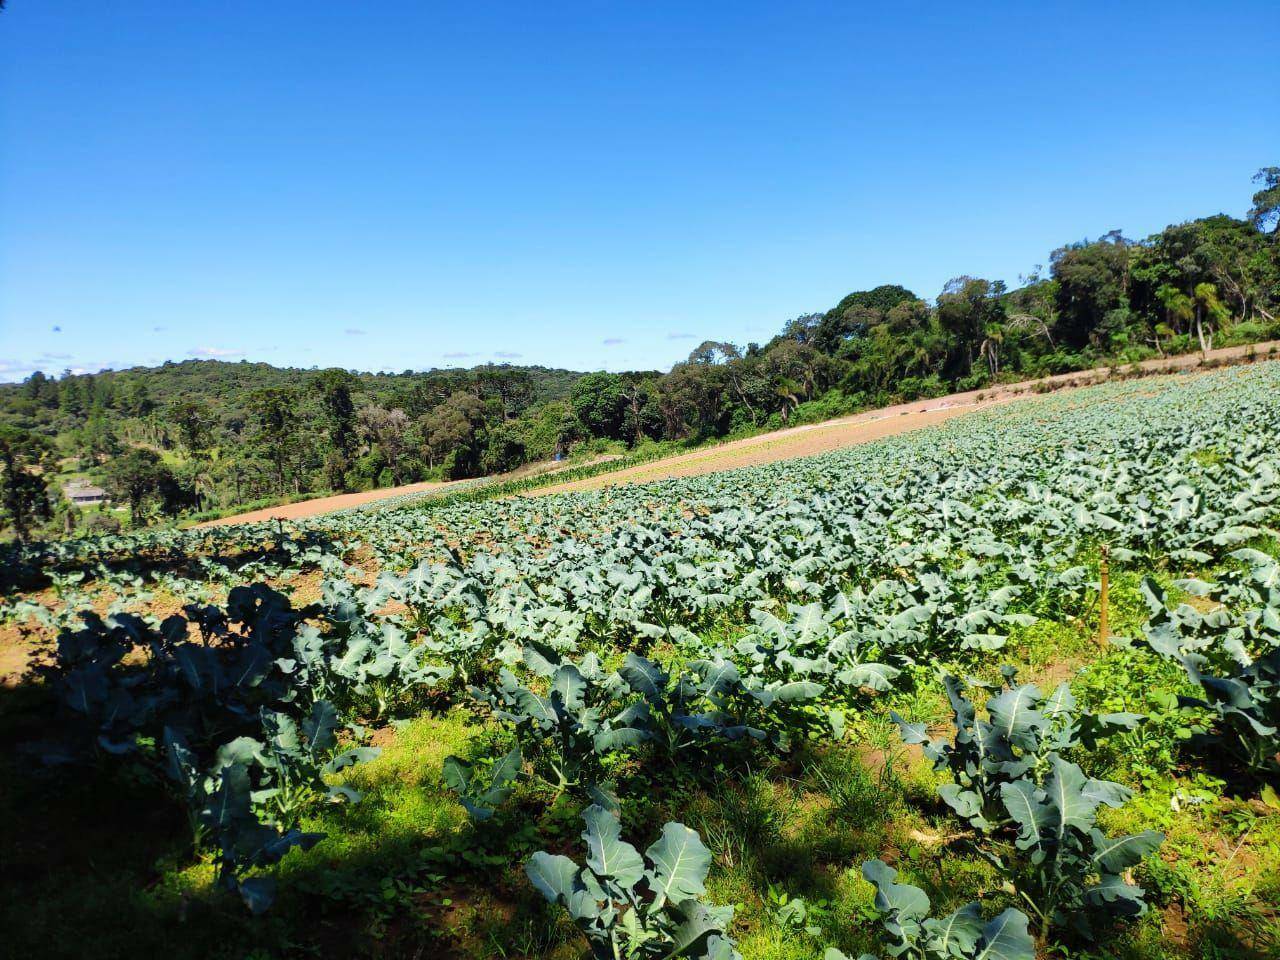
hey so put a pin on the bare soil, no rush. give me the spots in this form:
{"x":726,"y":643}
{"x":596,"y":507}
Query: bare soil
{"x":888,"y":421}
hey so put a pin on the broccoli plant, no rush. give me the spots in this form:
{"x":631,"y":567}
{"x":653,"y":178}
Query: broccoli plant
{"x":1231,"y":652}
{"x":245,"y":845}
{"x":962,"y":935}
{"x":713,"y":703}
{"x":640,"y":908}
{"x":567,"y":729}
{"x":481,"y":795}
{"x":294,"y":757}
{"x":1247,"y":706}
{"x":1034,"y":811}
{"x":1022,"y":731}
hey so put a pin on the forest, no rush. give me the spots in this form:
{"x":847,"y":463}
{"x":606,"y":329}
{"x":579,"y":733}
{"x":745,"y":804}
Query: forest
{"x":189,"y":438}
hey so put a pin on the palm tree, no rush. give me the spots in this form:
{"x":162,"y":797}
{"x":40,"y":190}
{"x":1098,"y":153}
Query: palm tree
{"x":1177,"y":305}
{"x":1208,"y":306}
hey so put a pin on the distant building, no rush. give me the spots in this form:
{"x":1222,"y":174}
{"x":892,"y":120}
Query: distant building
{"x":84,"y":494}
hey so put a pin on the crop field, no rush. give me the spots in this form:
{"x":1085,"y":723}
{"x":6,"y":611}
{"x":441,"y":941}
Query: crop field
{"x":870,"y":702}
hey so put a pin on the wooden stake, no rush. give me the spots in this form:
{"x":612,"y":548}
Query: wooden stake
{"x":1104,"y":628}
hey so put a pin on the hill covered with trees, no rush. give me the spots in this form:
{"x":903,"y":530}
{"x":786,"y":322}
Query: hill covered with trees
{"x":208,"y":434}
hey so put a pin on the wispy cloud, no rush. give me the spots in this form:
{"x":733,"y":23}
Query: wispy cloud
{"x":216,"y":352}
{"x":55,"y":356}
{"x":8,"y":367}
{"x":506,"y":355}
{"x":614,"y":341}
{"x":159,"y":329}
{"x":682,"y":336}
{"x":460,"y":355}
{"x":353,"y":332}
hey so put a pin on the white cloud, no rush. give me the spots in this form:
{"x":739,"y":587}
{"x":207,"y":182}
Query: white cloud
{"x":11,"y":370}
{"x":459,"y":355}
{"x":216,"y":352}
{"x":506,"y":355}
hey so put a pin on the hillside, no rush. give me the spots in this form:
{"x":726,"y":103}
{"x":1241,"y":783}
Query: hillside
{"x":205,"y":438}
{"x":787,"y":685}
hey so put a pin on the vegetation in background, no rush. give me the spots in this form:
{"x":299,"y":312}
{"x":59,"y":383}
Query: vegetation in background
{"x":227,"y":434}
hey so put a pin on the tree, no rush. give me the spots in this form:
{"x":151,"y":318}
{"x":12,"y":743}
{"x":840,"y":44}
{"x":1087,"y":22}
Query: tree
{"x":24,"y":500}
{"x":1179,"y":308}
{"x":598,"y":401}
{"x":503,"y":449}
{"x":1092,"y":281}
{"x":803,"y":329}
{"x":1211,"y":313}
{"x":192,"y":422}
{"x":275,"y":411}
{"x":39,"y":388}
{"x":714,"y":351}
{"x":1266,"y":202}
{"x":795,"y":373}
{"x":968,"y":308}
{"x":511,"y":387}
{"x":133,"y":478}
{"x":338,"y":415}
{"x":857,"y":312}
{"x":1241,"y":262}
{"x":691,"y":399}
{"x":388,"y":430}
{"x":452,"y":431}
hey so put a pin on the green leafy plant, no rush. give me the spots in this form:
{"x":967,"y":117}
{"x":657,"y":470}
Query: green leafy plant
{"x":962,"y":935}
{"x":483,"y":787}
{"x":573,"y":724}
{"x":1020,"y":734}
{"x":1247,"y":706}
{"x":636,"y":907}
{"x":1034,"y":811}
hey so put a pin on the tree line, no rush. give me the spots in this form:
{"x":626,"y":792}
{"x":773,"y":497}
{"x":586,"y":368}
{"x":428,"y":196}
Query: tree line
{"x":186,"y":437}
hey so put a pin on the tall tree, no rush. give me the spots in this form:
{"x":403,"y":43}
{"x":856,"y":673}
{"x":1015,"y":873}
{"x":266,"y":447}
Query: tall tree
{"x":1266,"y":202}
{"x":388,"y":431}
{"x":336,"y":388}
{"x":1092,"y":281}
{"x":24,"y":499}
{"x":967,"y":309}
{"x":598,"y":401}
{"x":192,"y":422}
{"x":275,"y":412}
{"x":452,"y":432}
{"x":134,"y":478}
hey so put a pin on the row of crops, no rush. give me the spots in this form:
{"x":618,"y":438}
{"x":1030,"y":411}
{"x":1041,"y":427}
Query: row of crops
{"x":609,"y":637}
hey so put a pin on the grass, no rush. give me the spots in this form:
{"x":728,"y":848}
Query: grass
{"x":97,"y":863}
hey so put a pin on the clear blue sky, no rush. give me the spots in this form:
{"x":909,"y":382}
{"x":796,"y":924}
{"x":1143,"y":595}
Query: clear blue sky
{"x":385,"y":185}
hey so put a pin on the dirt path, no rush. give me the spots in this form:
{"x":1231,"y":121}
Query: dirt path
{"x":343,"y":501}
{"x":785,"y":444}
{"x":885,"y":422}
{"x":310,"y":508}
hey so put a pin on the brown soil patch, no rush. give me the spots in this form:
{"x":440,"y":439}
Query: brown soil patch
{"x":779,"y":445}
{"x":886,"y":422}
{"x":310,"y":508}
{"x":344,"y":501}
{"x":15,"y":655}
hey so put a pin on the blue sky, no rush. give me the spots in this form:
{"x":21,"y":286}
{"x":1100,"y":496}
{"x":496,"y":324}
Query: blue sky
{"x":391,"y":185}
